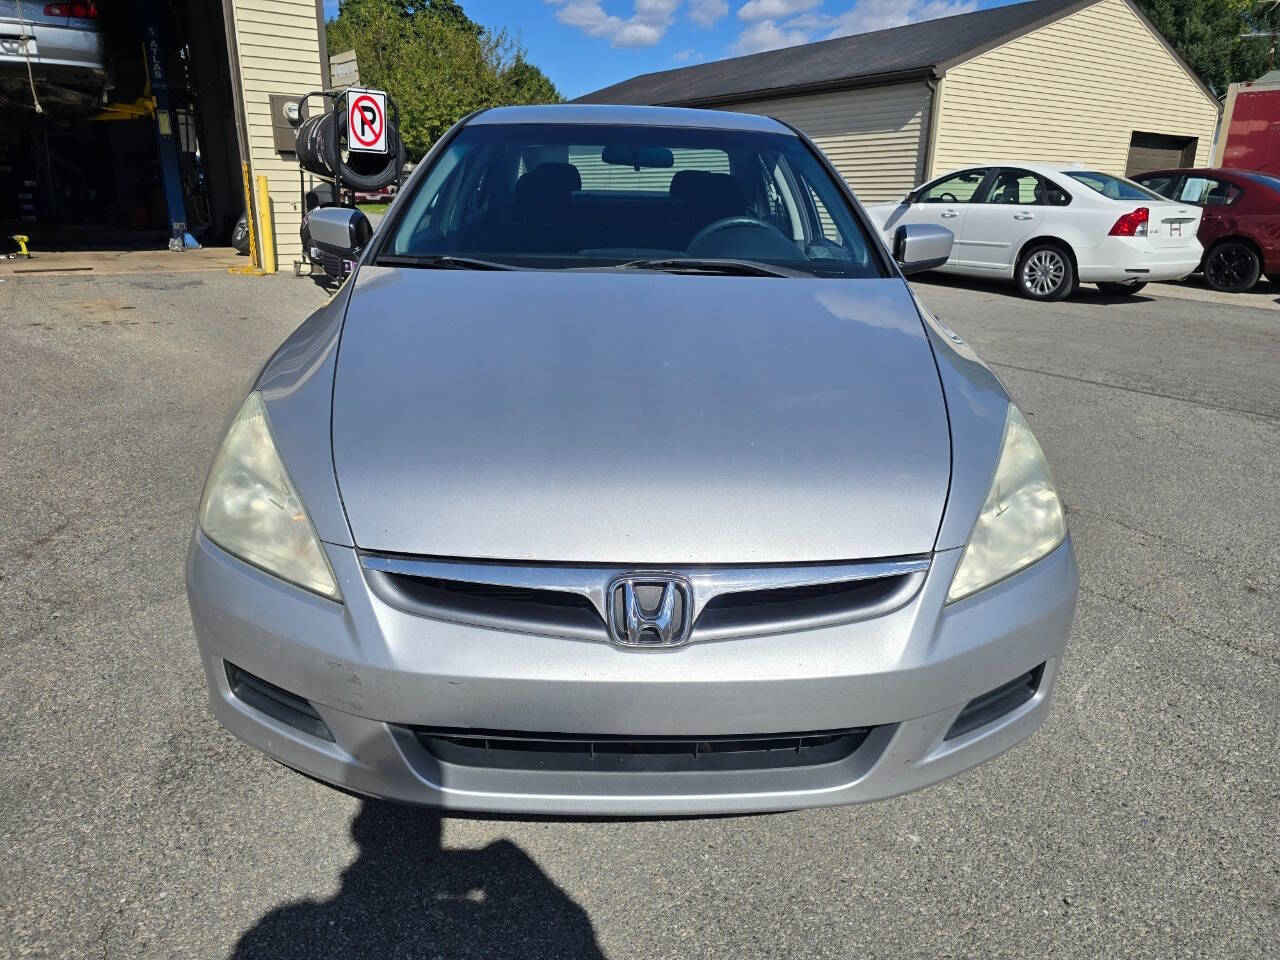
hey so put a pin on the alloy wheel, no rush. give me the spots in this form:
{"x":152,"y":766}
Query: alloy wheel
{"x":1229,"y":267}
{"x":1044,"y":272}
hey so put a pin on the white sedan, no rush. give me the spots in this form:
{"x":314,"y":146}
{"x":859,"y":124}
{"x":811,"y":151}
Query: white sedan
{"x":1051,"y":228}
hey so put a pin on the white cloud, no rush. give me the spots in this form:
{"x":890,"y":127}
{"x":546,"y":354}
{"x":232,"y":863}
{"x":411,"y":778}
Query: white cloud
{"x":684,"y":56}
{"x":774,"y":9}
{"x":644,"y":28}
{"x":867,"y":15}
{"x":785,"y":23}
{"x":767,"y":35}
{"x":705,"y":13}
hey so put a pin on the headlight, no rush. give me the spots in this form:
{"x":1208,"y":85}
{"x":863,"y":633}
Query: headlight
{"x":1021,"y":520}
{"x":250,"y":507}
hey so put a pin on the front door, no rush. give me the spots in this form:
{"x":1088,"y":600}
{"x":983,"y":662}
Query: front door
{"x":1009,"y":212}
{"x":943,"y":202}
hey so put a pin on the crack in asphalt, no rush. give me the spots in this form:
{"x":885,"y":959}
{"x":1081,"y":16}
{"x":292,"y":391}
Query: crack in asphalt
{"x":1222,"y":408}
{"x":1177,"y":624}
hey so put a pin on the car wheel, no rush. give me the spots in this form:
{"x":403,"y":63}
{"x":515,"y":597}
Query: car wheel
{"x":1232,"y":267}
{"x":1121,"y":289}
{"x":240,"y":235}
{"x":1046,"y":272}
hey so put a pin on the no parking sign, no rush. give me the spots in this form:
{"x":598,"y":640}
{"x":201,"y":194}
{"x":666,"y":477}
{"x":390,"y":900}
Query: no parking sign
{"x":367,"y":120}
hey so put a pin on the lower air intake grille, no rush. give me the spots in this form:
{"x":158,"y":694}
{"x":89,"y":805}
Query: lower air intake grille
{"x":571,"y":752}
{"x":276,"y":703}
{"x":996,"y":703}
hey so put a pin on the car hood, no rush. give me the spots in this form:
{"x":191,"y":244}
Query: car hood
{"x":641,"y":418}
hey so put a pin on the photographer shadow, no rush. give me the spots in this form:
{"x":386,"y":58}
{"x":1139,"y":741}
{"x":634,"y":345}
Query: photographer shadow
{"x":406,"y":896}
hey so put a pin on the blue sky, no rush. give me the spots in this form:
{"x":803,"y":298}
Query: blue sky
{"x":586,"y":44}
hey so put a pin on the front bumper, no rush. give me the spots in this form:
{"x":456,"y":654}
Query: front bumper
{"x":373,"y":673}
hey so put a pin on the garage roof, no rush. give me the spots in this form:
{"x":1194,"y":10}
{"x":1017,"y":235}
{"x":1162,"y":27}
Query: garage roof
{"x":864,"y":59}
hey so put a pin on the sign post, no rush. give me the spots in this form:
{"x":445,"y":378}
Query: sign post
{"x":366,"y":120}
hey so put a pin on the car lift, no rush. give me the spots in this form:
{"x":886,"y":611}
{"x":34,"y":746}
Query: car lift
{"x":154,"y":104}
{"x":180,"y":237}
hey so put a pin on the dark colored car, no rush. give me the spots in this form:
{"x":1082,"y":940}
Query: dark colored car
{"x":1240,"y":229}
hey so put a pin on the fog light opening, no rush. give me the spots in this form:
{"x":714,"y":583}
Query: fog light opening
{"x":276,"y":703}
{"x":994,"y":704}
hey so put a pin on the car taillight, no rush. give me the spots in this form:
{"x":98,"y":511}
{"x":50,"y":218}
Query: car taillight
{"x":1132,"y":224}
{"x":80,"y":11}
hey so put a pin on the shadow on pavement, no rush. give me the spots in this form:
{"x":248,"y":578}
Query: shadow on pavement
{"x":1262,"y":296}
{"x":1087,"y":292}
{"x":406,"y":896}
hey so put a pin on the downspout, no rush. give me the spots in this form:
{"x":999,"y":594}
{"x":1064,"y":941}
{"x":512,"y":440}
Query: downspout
{"x":1225,"y":113}
{"x":233,"y":70}
{"x":931,"y":142}
{"x":237,"y":99}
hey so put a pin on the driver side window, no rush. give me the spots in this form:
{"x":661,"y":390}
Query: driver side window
{"x":957,"y":188}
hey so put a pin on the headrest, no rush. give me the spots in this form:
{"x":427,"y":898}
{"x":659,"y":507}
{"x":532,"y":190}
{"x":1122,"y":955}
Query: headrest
{"x":555,"y":177}
{"x":719,"y":191}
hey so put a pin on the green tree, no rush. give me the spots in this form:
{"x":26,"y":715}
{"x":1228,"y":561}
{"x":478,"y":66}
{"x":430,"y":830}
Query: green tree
{"x":437,"y":63}
{"x":1207,"y":34}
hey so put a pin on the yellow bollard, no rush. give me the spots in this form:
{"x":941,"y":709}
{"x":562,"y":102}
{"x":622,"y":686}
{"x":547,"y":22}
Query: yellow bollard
{"x":265,"y":227}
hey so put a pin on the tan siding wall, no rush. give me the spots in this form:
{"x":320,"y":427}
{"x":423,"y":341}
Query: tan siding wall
{"x":874,"y":136}
{"x":1074,"y":90}
{"x":279,"y":46}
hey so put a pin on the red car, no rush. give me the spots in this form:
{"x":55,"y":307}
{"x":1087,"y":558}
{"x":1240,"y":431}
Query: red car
{"x":1240,"y":230}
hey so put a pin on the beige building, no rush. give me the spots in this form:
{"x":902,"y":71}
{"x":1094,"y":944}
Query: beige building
{"x":141,"y":142}
{"x":1088,"y":81}
{"x":278,"y":54}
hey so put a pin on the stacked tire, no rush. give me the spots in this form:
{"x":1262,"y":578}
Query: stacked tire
{"x":359,"y":171}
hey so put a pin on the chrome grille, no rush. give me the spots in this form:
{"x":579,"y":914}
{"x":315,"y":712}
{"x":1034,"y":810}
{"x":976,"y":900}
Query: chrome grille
{"x":575,"y":600}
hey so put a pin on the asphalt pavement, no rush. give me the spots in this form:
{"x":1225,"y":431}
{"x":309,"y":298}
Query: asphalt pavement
{"x":1143,"y":820}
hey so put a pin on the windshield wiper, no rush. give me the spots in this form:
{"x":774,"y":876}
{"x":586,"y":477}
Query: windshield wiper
{"x":723,"y":267}
{"x":440,"y":261}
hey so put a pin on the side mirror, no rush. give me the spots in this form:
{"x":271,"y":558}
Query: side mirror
{"x":334,"y":237}
{"x":921,"y":246}
{"x":910,"y":198}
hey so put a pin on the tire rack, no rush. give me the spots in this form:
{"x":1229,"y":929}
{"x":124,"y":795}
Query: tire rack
{"x":335,"y":98}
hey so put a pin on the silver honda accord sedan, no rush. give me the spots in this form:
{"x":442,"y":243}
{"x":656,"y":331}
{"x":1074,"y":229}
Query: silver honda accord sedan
{"x":625,"y":475}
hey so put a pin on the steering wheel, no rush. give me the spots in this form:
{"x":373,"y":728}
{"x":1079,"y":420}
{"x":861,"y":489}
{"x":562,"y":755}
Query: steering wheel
{"x":750,"y":228}
{"x":947,"y":198}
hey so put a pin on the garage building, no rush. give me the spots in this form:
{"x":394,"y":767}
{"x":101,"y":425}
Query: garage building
{"x":124,"y":125}
{"x":1089,"y":81}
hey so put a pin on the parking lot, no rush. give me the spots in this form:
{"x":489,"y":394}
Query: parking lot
{"x":1141,"y":821}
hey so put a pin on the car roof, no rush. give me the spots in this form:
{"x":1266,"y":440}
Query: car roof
{"x":631,"y":116}
{"x":1207,"y":171}
{"x":1033,"y":166}
{"x":1050,"y":170}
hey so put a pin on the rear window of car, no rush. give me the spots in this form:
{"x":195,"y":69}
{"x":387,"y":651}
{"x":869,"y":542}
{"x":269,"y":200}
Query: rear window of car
{"x":1209,"y":191}
{"x":1112,"y":187}
{"x":1161,"y":183}
{"x":596,"y":176}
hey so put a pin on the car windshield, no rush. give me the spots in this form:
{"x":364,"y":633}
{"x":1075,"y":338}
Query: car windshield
{"x":548,"y":196}
{"x":1113,"y":188}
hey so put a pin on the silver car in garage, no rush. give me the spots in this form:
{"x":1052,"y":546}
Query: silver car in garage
{"x":57,"y":48}
{"x":626,"y":475}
